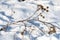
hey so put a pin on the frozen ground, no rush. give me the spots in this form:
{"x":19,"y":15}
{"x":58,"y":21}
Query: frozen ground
{"x":29,"y":19}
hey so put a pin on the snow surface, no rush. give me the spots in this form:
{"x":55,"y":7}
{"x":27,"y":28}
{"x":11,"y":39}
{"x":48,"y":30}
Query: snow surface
{"x":12,"y":11}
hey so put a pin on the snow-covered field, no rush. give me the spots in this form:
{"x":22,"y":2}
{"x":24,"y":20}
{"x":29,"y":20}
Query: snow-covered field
{"x":29,"y":19}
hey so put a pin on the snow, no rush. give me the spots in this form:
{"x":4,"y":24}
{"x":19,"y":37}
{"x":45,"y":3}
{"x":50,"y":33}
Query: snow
{"x":46,"y":38}
{"x":12,"y":12}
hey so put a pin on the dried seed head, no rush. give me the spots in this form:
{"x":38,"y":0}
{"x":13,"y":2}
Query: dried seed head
{"x":1,"y":29}
{"x":22,"y":33}
{"x":40,"y":6}
{"x":47,"y":11}
{"x":52,"y":30}
{"x":21,"y":0}
{"x":47,"y":7}
{"x":43,"y":17}
{"x":44,"y":9}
